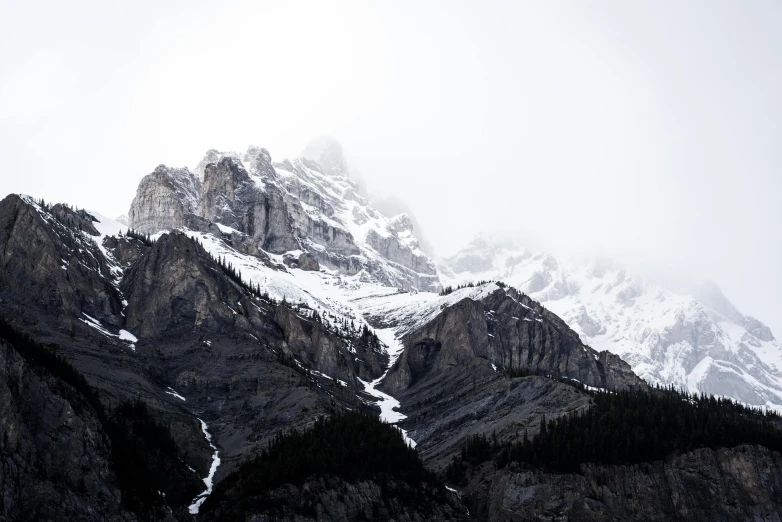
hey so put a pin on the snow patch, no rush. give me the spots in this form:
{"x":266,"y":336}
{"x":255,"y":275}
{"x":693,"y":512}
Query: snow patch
{"x":123,"y":335}
{"x":171,"y":391}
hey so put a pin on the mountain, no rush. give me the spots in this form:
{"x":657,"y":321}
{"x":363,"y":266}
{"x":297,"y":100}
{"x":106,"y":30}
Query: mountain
{"x":239,"y":350}
{"x":673,"y":333}
{"x":291,"y":206}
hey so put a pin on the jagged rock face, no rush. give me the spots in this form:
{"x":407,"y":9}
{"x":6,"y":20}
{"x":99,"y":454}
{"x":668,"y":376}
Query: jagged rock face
{"x":173,"y":290}
{"x":54,"y":456}
{"x":80,"y":220}
{"x":344,"y":232}
{"x":211,"y":156}
{"x":512,"y":332}
{"x":390,"y":205}
{"x":455,"y":376}
{"x":260,"y":161}
{"x":304,"y":261}
{"x":164,"y":199}
{"x":197,"y":333}
{"x":50,"y":264}
{"x":124,"y":249}
{"x":742,"y":483}
{"x":231,"y":197}
{"x":292,"y":205}
{"x":682,"y":334}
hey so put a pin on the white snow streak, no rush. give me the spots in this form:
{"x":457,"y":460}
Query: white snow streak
{"x":171,"y":391}
{"x":208,"y":480}
{"x":388,"y":405}
{"x":123,"y":335}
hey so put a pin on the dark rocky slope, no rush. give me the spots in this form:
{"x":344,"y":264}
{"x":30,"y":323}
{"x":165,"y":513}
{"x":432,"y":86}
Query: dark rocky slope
{"x":743,"y":483}
{"x":349,"y":467}
{"x":50,"y":263}
{"x":250,"y":367}
{"x":460,"y":372}
{"x":239,"y":361}
{"x":54,"y":455}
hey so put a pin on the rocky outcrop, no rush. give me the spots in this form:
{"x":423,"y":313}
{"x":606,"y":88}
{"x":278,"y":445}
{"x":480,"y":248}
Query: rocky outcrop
{"x":54,"y":456}
{"x":304,"y":261}
{"x":50,"y":262}
{"x":391,"y":248}
{"x":234,"y":199}
{"x":307,"y":204}
{"x":743,"y":483}
{"x":174,"y":290}
{"x":80,"y":219}
{"x":512,"y":332}
{"x":125,"y":250}
{"x":163,"y":200}
{"x":460,"y":372}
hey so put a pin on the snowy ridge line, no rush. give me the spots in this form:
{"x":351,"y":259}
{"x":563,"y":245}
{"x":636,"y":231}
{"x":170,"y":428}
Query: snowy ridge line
{"x":672,"y":331}
{"x":410,"y":312}
{"x":316,"y":291}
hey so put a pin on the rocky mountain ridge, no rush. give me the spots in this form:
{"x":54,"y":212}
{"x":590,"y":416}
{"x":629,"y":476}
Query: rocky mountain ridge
{"x":289,"y":206}
{"x":266,"y":295}
{"x":690,"y":337}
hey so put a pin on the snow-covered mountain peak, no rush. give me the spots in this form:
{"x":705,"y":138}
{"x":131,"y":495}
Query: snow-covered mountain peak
{"x":671,"y":331}
{"x":288,"y":206}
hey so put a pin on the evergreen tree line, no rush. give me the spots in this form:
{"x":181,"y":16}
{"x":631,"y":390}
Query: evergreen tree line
{"x":140,"y":446}
{"x":68,"y":223}
{"x":351,"y":446}
{"x":43,"y":204}
{"x":144,"y":238}
{"x":451,"y":289}
{"x":627,"y":427}
{"x":361,"y":336}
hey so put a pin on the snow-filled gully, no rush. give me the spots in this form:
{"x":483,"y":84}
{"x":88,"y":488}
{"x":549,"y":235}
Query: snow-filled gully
{"x":209,"y":479}
{"x":387,"y":403}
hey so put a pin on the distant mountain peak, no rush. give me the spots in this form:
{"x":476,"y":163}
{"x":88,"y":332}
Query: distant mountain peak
{"x":327,"y":152}
{"x":671,"y":331}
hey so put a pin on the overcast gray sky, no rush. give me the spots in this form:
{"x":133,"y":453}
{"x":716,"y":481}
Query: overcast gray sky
{"x":643,"y":130}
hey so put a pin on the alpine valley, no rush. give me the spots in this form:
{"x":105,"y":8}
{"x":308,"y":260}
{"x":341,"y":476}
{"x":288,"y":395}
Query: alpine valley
{"x":260,"y":341}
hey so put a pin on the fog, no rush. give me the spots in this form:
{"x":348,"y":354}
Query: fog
{"x":645,"y":131}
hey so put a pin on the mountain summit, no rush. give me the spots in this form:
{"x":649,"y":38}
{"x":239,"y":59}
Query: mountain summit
{"x":327,"y":152}
{"x":292,"y":206}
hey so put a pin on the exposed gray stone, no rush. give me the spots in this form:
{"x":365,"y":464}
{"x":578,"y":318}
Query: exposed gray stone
{"x":164,"y":199}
